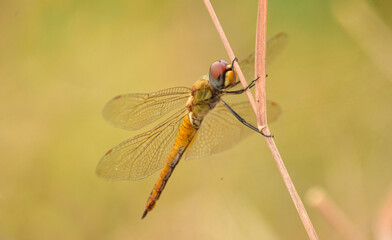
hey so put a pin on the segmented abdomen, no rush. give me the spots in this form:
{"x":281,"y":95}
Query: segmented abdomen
{"x":184,"y":137}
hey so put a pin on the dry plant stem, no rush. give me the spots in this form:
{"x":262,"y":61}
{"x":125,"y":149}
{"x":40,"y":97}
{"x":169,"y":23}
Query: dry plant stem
{"x":291,"y":188}
{"x":260,"y":63}
{"x":320,"y":200}
{"x":286,"y":178}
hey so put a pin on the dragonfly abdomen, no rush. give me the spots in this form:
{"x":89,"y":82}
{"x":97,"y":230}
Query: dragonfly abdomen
{"x":184,"y":137}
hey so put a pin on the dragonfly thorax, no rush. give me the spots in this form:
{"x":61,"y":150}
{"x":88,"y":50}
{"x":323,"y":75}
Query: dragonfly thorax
{"x":203,"y":98}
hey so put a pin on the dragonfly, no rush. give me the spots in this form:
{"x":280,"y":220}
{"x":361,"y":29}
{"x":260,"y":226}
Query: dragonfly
{"x":197,"y":122}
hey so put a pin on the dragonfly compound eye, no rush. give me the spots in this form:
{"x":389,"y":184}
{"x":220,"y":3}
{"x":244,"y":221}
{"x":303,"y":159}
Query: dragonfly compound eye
{"x":217,"y":74}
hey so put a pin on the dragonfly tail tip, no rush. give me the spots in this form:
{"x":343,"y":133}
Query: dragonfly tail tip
{"x":144,"y":214}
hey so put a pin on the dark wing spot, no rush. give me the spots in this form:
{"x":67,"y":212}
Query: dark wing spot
{"x":109,"y":152}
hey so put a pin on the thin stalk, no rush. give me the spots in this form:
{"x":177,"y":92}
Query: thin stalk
{"x":260,"y":63}
{"x":261,"y":114}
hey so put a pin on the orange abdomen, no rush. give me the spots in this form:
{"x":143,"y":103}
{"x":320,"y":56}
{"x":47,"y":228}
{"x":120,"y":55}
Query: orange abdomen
{"x":184,"y":137}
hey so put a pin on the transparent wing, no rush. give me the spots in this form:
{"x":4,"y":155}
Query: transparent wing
{"x":220,"y":130}
{"x":136,"y":110}
{"x":274,"y":46}
{"x":142,"y":155}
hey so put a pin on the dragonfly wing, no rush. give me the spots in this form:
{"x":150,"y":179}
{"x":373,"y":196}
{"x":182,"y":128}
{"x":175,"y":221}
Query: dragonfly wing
{"x":274,"y":46}
{"x":142,"y":155}
{"x":136,"y":110}
{"x":220,"y":130}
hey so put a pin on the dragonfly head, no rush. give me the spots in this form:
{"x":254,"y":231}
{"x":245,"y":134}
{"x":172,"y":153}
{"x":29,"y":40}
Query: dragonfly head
{"x":222,"y":75}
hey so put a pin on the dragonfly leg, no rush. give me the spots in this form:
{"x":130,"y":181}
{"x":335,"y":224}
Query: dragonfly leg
{"x":232,"y":62}
{"x":243,"y":121}
{"x":242,"y":90}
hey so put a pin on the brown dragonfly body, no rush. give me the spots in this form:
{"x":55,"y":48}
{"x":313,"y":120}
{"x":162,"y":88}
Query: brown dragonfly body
{"x":200,"y":123}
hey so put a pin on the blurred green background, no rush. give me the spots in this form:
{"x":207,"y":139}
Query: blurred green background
{"x":61,"y":61}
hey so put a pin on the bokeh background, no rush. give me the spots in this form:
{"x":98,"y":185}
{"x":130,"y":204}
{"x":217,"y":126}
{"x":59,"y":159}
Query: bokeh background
{"x":61,"y":61}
